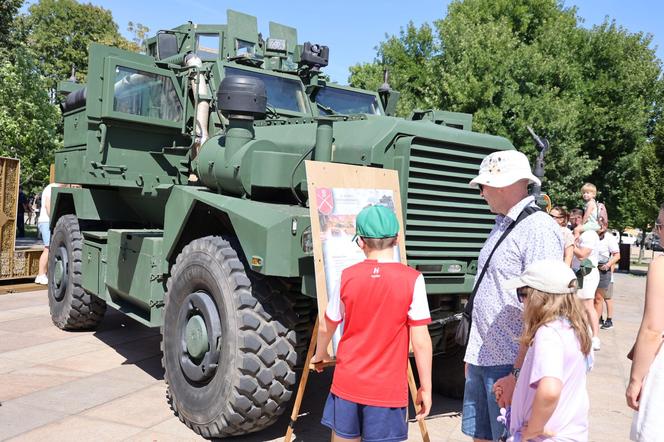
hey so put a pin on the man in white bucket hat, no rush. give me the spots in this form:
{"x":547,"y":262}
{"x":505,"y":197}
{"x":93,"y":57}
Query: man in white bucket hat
{"x":521,"y":235}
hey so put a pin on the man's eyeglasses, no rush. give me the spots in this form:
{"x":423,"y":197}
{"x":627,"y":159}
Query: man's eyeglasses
{"x":481,"y":187}
{"x":658,"y":226}
{"x":522,"y":293}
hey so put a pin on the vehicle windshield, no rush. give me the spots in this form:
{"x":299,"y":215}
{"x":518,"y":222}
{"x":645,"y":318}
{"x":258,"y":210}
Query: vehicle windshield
{"x":343,"y":101}
{"x":282,"y":93}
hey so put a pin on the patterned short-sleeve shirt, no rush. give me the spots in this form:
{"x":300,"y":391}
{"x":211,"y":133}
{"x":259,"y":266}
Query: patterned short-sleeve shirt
{"x":497,"y":313}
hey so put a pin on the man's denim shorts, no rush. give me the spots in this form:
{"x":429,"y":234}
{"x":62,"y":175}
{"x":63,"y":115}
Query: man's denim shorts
{"x":480,"y":409}
{"x":45,"y":233}
{"x":350,"y":420}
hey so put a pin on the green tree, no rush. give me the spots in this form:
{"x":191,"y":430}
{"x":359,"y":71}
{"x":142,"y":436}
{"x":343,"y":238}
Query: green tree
{"x":140,"y":34}
{"x":595,"y":94}
{"x":8,"y":10}
{"x":513,"y":64}
{"x":28,"y":121}
{"x":621,"y":103}
{"x":59,"y":32}
{"x":411,"y":61}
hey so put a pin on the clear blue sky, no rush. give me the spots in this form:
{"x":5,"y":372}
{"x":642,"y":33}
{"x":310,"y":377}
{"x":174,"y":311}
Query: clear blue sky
{"x":353,"y":29}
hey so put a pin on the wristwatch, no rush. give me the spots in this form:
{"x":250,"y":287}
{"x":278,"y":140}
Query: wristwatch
{"x":515,"y":372}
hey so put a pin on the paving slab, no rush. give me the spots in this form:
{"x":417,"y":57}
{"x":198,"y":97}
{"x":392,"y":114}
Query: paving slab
{"x":27,"y":324}
{"x":17,"y":419}
{"x":77,"y":428}
{"x":49,"y":351}
{"x":137,"y":409}
{"x":21,"y":382}
{"x":81,"y":394}
{"x":108,"y":384}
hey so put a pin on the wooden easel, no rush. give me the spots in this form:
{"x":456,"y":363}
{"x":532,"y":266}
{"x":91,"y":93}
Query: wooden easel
{"x":305,"y":377}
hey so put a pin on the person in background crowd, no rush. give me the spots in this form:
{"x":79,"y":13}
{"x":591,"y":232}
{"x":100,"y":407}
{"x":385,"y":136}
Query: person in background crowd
{"x":591,"y":211}
{"x":551,"y":399}
{"x":645,"y":391}
{"x":560,"y":216}
{"x":36,"y":207}
{"x":493,"y":354}
{"x":43,"y":224}
{"x":21,"y":210}
{"x":30,"y":213}
{"x":608,"y":254}
{"x":585,"y":265}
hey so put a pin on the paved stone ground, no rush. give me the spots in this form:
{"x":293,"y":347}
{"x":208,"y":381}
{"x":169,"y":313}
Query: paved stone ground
{"x":108,"y":384}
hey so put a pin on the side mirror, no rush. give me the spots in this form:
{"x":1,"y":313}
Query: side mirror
{"x":167,"y":45}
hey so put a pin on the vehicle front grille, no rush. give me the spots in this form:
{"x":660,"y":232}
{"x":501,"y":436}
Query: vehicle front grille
{"x":446,"y":220}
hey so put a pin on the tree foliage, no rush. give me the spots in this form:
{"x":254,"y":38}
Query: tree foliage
{"x":37,"y":50}
{"x":8,"y":10}
{"x":59,"y":32}
{"x":28,"y":121}
{"x":594,"y":93}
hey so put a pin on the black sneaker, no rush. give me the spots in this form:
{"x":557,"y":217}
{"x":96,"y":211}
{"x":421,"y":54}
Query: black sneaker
{"x":601,"y":322}
{"x":607,"y":324}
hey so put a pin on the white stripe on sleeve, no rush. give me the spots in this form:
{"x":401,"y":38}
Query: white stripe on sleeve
{"x":335,"y":308}
{"x":419,"y":307}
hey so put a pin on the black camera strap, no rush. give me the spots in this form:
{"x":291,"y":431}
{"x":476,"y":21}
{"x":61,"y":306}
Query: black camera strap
{"x":525,"y":213}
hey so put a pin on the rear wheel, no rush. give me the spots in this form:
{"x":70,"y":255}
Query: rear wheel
{"x":228,"y":349}
{"x":72,"y":308}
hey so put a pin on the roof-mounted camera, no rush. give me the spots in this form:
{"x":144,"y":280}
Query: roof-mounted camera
{"x":314,"y":56}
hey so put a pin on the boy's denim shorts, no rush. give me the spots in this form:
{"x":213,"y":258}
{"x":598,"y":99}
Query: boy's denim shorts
{"x":480,"y":409}
{"x":350,"y":420}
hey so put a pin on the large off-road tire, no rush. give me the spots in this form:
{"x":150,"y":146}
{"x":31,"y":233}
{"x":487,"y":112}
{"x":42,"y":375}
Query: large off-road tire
{"x":228,"y":354}
{"x":72,"y":308}
{"x":294,"y":310}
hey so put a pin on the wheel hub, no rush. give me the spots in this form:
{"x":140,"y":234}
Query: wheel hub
{"x":196,"y":337}
{"x":60,"y":272}
{"x":200,"y":337}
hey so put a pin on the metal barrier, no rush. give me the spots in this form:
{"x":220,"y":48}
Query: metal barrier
{"x":15,"y":263}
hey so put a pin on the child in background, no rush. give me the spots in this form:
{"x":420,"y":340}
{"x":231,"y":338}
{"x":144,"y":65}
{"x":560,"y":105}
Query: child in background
{"x":590,"y":211}
{"x":384,"y":306}
{"x":550,"y":400}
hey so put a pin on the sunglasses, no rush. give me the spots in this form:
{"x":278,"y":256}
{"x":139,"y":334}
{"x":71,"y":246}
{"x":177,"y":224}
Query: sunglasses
{"x":522,"y":293}
{"x":557,"y":216}
{"x":481,"y":187}
{"x":658,"y":226}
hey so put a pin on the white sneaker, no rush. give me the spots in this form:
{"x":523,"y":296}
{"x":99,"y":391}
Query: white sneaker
{"x":596,"y":343}
{"x":41,"y":279}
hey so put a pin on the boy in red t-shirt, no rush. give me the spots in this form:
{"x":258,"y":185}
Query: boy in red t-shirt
{"x":382,"y":304}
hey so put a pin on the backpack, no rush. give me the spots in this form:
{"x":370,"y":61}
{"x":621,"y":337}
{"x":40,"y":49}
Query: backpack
{"x":602,"y":214}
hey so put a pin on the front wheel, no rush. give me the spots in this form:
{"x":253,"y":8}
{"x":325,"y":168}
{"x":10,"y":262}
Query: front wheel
{"x":227,"y":354}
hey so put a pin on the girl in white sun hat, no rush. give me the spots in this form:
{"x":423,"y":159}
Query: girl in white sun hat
{"x":550,"y":400}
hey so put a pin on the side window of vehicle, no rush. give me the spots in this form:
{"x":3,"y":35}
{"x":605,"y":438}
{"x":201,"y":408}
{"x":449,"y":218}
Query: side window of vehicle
{"x":207,"y":46}
{"x":146,"y":94}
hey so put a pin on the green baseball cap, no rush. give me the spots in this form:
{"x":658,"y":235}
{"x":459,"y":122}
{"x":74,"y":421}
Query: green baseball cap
{"x":376,"y":222}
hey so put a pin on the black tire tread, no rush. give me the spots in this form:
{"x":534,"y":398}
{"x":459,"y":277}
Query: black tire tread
{"x":83,"y":311}
{"x":264,"y":378}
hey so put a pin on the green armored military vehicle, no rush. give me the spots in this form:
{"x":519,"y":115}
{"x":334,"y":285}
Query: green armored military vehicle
{"x":190,"y":214}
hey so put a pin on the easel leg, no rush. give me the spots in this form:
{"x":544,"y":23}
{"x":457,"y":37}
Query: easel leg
{"x":303,"y":383}
{"x":413,"y":394}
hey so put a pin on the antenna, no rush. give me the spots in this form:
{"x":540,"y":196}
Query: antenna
{"x":542,"y":145}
